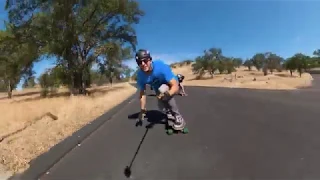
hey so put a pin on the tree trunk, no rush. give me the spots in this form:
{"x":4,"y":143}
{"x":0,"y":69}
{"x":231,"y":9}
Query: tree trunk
{"x":291,"y":73}
{"x":83,"y":84}
{"x":74,"y":85}
{"x":265,"y":71}
{"x":80,"y":84}
{"x":9,"y":89}
{"x":110,"y":80}
{"x":300,"y":72}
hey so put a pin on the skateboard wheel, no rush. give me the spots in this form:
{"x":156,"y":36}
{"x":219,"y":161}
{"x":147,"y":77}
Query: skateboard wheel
{"x":185,"y":130}
{"x":169,"y":131}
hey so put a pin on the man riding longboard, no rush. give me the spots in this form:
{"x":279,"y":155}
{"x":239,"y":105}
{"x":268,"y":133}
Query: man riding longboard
{"x":156,"y":73}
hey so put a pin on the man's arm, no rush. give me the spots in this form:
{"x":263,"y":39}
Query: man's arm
{"x":142,"y":94}
{"x":143,"y":98}
{"x":171,"y":78}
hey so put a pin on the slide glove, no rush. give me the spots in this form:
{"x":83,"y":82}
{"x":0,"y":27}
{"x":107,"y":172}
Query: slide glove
{"x":165,"y":96}
{"x":142,"y":114}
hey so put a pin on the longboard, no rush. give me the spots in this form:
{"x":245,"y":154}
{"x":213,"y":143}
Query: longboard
{"x":170,"y":127}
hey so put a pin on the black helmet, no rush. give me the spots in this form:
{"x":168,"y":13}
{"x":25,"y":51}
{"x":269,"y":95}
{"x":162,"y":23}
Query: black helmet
{"x":142,"y":54}
{"x":180,"y":77}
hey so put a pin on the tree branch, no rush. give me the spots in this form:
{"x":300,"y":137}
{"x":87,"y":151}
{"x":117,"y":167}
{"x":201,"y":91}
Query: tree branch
{"x":91,"y":15}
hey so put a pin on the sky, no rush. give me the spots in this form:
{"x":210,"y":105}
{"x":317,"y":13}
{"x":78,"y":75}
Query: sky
{"x":182,"y":29}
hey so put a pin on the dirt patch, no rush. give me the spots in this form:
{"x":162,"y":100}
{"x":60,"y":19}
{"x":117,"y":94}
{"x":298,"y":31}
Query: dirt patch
{"x":29,"y":128}
{"x":243,"y":78}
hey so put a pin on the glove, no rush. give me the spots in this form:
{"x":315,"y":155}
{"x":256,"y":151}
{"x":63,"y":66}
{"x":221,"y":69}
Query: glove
{"x":142,"y":114}
{"x":164,"y":96}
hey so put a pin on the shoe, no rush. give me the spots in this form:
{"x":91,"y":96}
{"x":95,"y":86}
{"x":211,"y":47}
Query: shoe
{"x":170,"y":116}
{"x":179,"y":122}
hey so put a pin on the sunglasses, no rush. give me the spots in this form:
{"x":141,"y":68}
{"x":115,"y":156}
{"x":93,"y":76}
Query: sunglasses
{"x":139,"y":62}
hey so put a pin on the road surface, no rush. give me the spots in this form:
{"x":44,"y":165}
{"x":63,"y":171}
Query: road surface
{"x":234,"y":134}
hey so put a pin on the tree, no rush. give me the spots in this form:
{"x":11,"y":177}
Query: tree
{"x":248,"y":63}
{"x":297,"y":62}
{"x":134,"y":75}
{"x":273,"y":61}
{"x":202,"y":65}
{"x":127,"y":71}
{"x":73,"y":30}
{"x":47,"y":83}
{"x":16,"y":59}
{"x":237,"y":62}
{"x":231,"y":63}
{"x":29,"y":82}
{"x":290,"y":65}
{"x":109,"y":58}
{"x":258,"y":60}
{"x":300,"y":61}
{"x":316,"y":53}
{"x":214,"y":57}
{"x":213,"y":60}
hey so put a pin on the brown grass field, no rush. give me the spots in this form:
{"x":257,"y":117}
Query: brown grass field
{"x":243,"y":78}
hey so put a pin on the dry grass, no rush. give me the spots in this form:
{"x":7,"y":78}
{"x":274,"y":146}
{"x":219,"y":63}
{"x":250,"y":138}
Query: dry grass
{"x":38,"y":130}
{"x":243,"y":78}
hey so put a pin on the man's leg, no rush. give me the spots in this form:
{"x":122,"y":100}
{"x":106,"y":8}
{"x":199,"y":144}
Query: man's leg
{"x":182,"y":92}
{"x":182,"y":88}
{"x":172,"y":105}
{"x":165,"y":109}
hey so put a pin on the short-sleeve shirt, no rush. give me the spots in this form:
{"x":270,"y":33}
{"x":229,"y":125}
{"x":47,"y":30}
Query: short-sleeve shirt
{"x":161,"y":74}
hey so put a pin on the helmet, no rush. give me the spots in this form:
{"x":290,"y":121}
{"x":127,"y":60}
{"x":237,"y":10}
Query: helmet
{"x":180,"y":77}
{"x":142,"y":54}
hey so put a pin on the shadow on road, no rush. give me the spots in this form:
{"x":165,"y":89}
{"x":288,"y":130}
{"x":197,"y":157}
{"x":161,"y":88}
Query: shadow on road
{"x":127,"y":170}
{"x":152,"y":117}
{"x":152,"y":95}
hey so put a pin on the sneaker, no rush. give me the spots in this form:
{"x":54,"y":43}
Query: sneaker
{"x":170,"y":116}
{"x":179,"y":122}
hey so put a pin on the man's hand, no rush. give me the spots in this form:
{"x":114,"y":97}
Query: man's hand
{"x":142,"y":114}
{"x":164,"y":96}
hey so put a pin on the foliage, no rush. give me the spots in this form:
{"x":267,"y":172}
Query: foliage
{"x":77,"y":33}
{"x":29,"y":82}
{"x":214,"y":60}
{"x":248,"y":63}
{"x":298,"y":62}
{"x":16,"y":59}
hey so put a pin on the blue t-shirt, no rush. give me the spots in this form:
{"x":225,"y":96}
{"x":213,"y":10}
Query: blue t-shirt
{"x":161,"y":74}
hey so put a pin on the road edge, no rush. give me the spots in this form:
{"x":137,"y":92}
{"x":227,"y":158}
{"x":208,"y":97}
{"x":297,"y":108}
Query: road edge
{"x":45,"y":161}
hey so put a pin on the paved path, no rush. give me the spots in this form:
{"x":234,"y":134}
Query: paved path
{"x":234,"y":133}
{"x":316,"y":82}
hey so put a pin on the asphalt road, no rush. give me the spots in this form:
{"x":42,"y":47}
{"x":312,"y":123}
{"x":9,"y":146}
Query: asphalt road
{"x":234,"y":134}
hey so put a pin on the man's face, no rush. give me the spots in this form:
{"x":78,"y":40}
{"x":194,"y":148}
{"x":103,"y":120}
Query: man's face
{"x":145,"y":65}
